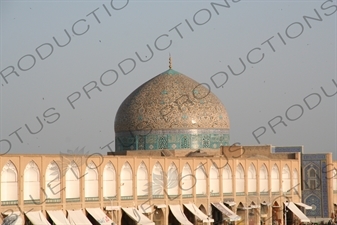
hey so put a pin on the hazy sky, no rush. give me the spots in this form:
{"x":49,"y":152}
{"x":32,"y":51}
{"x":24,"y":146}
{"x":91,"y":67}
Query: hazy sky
{"x":69,"y":65}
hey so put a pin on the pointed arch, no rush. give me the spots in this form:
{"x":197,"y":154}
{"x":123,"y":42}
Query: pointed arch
{"x":109,"y":181}
{"x":187,"y":181}
{"x":31,"y":181}
{"x":296,"y":183}
{"x":286,"y":178}
{"x":72,"y":181}
{"x":91,"y":182}
{"x":214,"y":179}
{"x":240,"y":178}
{"x":9,"y":182}
{"x":240,"y":211}
{"x":126,"y":181}
{"x":142,"y":181}
{"x":275,"y":179}
{"x":251,"y":178}
{"x":227,"y":180}
{"x":264,"y":179}
{"x":172,"y":180}
{"x":200,"y":175}
{"x":52,"y":183}
{"x":157,"y":181}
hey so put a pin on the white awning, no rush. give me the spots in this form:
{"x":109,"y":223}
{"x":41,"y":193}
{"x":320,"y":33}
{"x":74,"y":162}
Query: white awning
{"x":230,"y":203}
{"x":226,"y":211}
{"x":265,"y":203}
{"x":58,"y":217}
{"x":160,"y":206}
{"x":303,"y":205}
{"x":77,"y":217}
{"x":37,"y":218}
{"x":112,"y":208}
{"x":137,"y":216}
{"x":145,"y":208}
{"x":99,"y":216}
{"x":198,"y":213}
{"x":13,"y":218}
{"x":179,"y":215}
{"x":297,"y":212}
{"x":254,"y":206}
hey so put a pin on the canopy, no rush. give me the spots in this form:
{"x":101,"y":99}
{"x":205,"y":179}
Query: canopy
{"x":303,"y":205}
{"x":77,"y":217}
{"x":230,"y":203}
{"x":13,"y":218}
{"x":58,"y":217}
{"x":229,"y":213}
{"x":99,"y":216}
{"x":145,"y":208}
{"x":160,"y":206}
{"x":198,"y":213}
{"x":37,"y":218}
{"x":137,"y":216}
{"x":112,"y":208}
{"x":179,"y":215}
{"x":253,"y":206}
{"x":265,"y":203}
{"x":297,"y":211}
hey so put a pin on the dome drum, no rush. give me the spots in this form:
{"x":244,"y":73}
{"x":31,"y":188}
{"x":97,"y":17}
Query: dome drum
{"x":172,"y":139}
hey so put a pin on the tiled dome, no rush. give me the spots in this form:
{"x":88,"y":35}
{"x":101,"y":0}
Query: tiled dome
{"x":171,"y":100}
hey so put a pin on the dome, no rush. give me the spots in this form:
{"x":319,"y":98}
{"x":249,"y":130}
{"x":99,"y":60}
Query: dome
{"x":170,"y":106}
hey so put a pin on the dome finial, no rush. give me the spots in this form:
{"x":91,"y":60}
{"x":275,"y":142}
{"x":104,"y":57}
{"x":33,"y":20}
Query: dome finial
{"x":170,"y":61}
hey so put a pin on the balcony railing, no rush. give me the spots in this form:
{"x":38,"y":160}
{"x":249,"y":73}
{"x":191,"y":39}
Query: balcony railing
{"x":91,"y":199}
{"x":188,"y":196}
{"x":127,"y":197}
{"x":157,"y":196}
{"x":53,"y":200}
{"x":11,"y":202}
{"x":72,"y":199}
{"x":35,"y":201}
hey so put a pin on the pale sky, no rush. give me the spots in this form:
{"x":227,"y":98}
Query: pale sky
{"x":289,"y":50}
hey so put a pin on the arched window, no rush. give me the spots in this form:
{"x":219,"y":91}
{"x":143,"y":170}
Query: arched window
{"x":313,"y":179}
{"x":91,"y":182}
{"x":187,"y":181}
{"x":9,"y":182}
{"x":72,"y":182}
{"x":227,"y":184}
{"x":200,"y":175}
{"x":240,"y":179}
{"x":109,"y":181}
{"x":157,"y":181}
{"x":172,"y":180}
{"x":214,"y":179}
{"x":142,"y":181}
{"x":126,"y":181}
{"x":251,"y":178}
{"x":312,"y":173}
{"x":275,"y":179}
{"x":53,"y":183}
{"x":286,"y":178}
{"x":295,"y":180}
{"x":264,"y":179}
{"x":31,"y":182}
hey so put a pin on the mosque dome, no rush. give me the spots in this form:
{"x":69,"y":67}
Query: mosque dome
{"x":171,"y":111}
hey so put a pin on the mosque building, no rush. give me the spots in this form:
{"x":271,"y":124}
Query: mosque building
{"x":173,"y":164}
